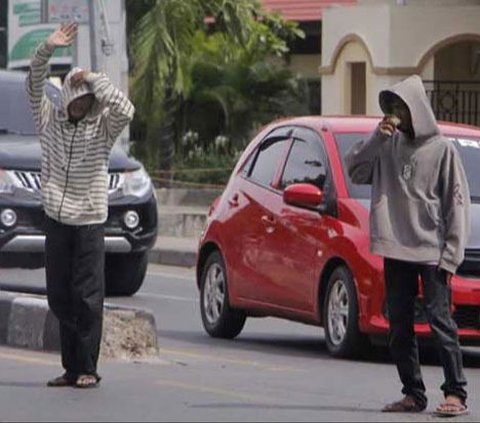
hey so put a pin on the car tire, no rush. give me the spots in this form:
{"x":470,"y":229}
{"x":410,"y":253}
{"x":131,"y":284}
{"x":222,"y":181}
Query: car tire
{"x":218,"y":318}
{"x":124,"y":273}
{"x":340,"y":312}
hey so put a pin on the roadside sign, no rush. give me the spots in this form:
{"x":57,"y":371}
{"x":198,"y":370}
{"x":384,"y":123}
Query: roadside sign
{"x":27,"y":27}
{"x":67,"y":10}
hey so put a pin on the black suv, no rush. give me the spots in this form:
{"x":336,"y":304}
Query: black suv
{"x":131,"y":228}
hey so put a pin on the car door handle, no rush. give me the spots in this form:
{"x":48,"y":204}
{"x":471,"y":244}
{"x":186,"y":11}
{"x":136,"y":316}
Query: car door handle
{"x":269,"y":223}
{"x":234,"y":201}
{"x":268,"y":220}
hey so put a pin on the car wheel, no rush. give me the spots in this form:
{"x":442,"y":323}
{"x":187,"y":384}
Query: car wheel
{"x":218,"y":318}
{"x":124,"y":273}
{"x":340,"y":312}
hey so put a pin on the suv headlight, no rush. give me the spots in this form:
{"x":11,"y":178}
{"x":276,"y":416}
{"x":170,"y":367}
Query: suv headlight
{"x":8,"y":183}
{"x":136,"y":183}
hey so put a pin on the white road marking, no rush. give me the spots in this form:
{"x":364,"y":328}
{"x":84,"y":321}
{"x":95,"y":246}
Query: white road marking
{"x":190,"y":278}
{"x":166,"y":297}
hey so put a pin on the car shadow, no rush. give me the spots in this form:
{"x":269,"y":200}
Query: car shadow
{"x":287,"y":407}
{"x":309,"y":347}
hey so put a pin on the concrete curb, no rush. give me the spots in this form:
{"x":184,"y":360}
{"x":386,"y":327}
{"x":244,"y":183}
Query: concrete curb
{"x":170,"y":257}
{"x":27,"y":322}
{"x":174,"y":251}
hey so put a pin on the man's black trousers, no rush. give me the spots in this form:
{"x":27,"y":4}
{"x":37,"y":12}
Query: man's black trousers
{"x":75,"y":261}
{"x":401,"y":280}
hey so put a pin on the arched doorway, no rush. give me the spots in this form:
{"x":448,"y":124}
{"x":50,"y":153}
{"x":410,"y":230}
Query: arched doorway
{"x":455,"y":90}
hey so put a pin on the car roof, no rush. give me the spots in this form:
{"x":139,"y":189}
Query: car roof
{"x":341,"y":124}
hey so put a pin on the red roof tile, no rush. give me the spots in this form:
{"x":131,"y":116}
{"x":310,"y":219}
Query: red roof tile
{"x":303,"y":10}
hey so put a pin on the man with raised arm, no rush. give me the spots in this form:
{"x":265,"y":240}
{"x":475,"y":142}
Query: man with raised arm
{"x":76,"y":138}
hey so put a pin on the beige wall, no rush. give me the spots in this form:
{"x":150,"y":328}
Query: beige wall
{"x":371,"y":24}
{"x":336,"y":88}
{"x":416,"y":29}
{"x":394,"y":41}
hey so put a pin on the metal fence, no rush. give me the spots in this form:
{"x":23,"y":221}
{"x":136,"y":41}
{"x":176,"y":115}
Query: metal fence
{"x":455,"y":101}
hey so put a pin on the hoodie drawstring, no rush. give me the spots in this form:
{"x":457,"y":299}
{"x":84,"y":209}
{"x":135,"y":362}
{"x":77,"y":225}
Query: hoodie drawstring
{"x":67,"y":172}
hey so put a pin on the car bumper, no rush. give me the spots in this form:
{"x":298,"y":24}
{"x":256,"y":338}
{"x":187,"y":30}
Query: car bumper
{"x":465,"y":313}
{"x":36,"y":244}
{"x":28,"y":235}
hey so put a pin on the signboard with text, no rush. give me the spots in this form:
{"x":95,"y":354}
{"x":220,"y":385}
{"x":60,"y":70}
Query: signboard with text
{"x":31,"y":21}
{"x":63,"y":11}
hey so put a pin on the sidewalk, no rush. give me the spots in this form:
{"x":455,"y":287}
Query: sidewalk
{"x":174,"y":251}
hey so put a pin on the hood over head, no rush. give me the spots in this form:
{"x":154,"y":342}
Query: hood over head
{"x":412,"y":92}
{"x":70,"y":93}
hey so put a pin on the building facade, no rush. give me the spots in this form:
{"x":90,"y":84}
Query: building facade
{"x":369,"y":47}
{"x":305,"y":55}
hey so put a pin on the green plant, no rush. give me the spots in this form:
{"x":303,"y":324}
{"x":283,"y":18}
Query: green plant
{"x":162,"y":47}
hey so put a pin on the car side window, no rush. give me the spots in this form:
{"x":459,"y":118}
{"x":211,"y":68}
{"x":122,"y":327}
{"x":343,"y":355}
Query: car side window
{"x":267,"y":160}
{"x":305,"y":164}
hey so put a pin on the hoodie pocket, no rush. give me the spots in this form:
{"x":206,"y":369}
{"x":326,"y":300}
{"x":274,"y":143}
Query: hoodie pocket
{"x":380,"y":224}
{"x":409,"y":223}
{"x":433,"y":213}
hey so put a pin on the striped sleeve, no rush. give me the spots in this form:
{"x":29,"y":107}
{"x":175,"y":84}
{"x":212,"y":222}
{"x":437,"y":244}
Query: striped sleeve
{"x":35,"y":84}
{"x":119,"y":109}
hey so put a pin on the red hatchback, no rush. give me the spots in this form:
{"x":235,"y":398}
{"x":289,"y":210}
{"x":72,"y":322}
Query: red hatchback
{"x":289,"y":237}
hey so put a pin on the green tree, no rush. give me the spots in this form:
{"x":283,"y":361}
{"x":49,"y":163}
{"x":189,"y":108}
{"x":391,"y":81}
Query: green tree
{"x":162,"y":46}
{"x":237,"y":89}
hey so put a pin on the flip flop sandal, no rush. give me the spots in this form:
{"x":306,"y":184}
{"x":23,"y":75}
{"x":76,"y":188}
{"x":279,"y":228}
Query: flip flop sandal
{"x":61,"y":381}
{"x":455,"y":409}
{"x":87,"y":381}
{"x":406,"y":405}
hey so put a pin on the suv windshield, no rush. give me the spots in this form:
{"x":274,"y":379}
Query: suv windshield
{"x":15,"y":114}
{"x":468,"y":147}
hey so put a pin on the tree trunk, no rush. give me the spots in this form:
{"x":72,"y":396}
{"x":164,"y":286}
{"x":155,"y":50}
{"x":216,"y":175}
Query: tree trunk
{"x":168,"y":133}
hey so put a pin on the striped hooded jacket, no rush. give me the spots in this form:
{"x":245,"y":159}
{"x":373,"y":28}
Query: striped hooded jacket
{"x":75,"y":156}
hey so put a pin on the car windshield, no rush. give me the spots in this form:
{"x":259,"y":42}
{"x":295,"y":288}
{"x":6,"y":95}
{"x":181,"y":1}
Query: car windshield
{"x":469,"y":148}
{"x":15,"y":114}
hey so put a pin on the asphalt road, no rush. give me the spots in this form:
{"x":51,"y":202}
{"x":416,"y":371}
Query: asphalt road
{"x":274,"y":371}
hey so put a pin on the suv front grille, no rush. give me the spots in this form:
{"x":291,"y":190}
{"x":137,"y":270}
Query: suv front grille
{"x":31,"y":181}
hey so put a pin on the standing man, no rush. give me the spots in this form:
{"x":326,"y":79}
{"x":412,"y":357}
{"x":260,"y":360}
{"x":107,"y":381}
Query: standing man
{"x":419,"y":223}
{"x":76,"y":139}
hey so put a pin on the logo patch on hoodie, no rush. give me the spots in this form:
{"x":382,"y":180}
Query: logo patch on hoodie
{"x":457,"y":195}
{"x":407,"y":171}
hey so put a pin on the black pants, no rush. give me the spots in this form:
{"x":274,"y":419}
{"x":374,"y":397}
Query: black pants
{"x":75,"y":261}
{"x":401,"y":280}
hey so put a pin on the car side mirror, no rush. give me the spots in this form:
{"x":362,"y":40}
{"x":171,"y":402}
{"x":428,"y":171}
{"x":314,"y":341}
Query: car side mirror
{"x":303,"y":195}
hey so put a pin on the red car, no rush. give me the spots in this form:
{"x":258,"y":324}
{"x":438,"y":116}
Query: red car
{"x":289,"y":237}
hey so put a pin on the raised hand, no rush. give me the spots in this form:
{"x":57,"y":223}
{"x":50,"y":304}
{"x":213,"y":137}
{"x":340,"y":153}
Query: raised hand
{"x":78,"y":78}
{"x":64,"y":35}
{"x":388,"y":125}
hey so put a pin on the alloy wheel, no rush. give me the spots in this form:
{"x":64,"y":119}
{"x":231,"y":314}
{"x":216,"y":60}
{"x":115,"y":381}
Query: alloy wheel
{"x":337,"y":312}
{"x":214,"y":293}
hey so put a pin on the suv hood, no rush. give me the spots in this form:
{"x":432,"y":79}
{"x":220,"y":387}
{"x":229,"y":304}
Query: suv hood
{"x":23,"y":152}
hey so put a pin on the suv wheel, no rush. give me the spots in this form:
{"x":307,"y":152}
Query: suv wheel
{"x":340,"y":312}
{"x":218,"y":318}
{"x":124,"y":273}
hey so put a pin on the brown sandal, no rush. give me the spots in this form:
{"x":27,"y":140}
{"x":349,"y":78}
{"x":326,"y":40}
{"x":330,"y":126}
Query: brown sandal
{"x":406,"y":405}
{"x":61,"y":381}
{"x":451,"y":408}
{"x":87,"y":381}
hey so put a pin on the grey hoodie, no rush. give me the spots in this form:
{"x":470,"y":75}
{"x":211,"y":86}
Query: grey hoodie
{"x":420,"y":210}
{"x":75,"y":156}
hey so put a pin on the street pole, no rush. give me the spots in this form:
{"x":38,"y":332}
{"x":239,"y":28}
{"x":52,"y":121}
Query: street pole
{"x":92,"y":24}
